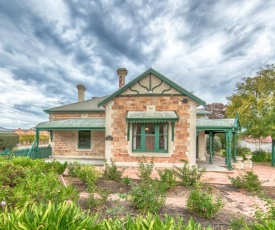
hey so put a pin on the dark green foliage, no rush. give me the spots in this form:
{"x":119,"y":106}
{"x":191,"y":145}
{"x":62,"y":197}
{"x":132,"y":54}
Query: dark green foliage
{"x":126,"y":180}
{"x":148,"y":196}
{"x":8,"y":140}
{"x":203,"y":203}
{"x":217,"y":145}
{"x":260,"y":156}
{"x":188,"y":175}
{"x":249,"y":181}
{"x":58,"y":167}
{"x":34,"y":181}
{"x":167,"y":178}
{"x":242,"y":151}
{"x":111,"y":171}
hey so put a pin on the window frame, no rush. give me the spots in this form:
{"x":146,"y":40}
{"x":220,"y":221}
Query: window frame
{"x":79,"y":146}
{"x":156,"y":135}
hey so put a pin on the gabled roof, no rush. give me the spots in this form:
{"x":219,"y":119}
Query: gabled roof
{"x":83,"y":106}
{"x":163,"y":78}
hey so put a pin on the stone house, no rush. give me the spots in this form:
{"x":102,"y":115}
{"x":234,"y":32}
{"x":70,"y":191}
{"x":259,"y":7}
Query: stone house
{"x":150,"y":116}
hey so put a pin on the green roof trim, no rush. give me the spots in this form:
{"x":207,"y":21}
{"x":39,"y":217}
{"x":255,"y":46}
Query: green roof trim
{"x":155,"y":117}
{"x":82,"y":107}
{"x":73,"y":124}
{"x":218,"y":124}
{"x":163,"y":78}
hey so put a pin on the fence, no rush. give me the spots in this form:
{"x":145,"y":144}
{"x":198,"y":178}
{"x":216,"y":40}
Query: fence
{"x":41,"y":152}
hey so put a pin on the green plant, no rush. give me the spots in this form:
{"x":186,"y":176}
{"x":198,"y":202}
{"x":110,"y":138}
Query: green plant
{"x":217,"y":145}
{"x":188,"y":175}
{"x":149,"y":196}
{"x":126,"y":180}
{"x":260,"y":156}
{"x":249,"y":181}
{"x":237,"y":223}
{"x":203,"y":203}
{"x":167,"y":177}
{"x":58,"y":167}
{"x":111,"y":171}
{"x":266,"y":213}
{"x":61,"y":216}
{"x":145,"y":168}
{"x":8,"y":140}
{"x":242,"y":151}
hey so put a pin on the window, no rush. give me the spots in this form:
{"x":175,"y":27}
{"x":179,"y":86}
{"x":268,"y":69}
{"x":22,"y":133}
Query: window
{"x":84,"y":139}
{"x":150,"y":137}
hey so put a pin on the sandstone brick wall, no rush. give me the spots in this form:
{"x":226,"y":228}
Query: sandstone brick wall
{"x":166,"y":103}
{"x":66,"y":143}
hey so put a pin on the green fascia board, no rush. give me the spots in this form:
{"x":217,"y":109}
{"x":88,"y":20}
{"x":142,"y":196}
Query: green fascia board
{"x":163,"y":78}
{"x":218,"y":128}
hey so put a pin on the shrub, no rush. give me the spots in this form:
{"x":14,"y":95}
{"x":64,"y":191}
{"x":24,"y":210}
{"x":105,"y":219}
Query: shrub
{"x":58,"y":167}
{"x":260,"y":156}
{"x":242,"y":151}
{"x":126,"y":180}
{"x":167,"y":177}
{"x":8,"y":140}
{"x":203,"y":203}
{"x":111,"y":171}
{"x":145,"y":169}
{"x":189,"y":175}
{"x":148,"y":196}
{"x":249,"y":181}
{"x":23,"y":180}
{"x":266,"y":213}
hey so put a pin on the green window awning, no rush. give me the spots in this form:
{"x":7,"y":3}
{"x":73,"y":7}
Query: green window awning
{"x":154,"y":116}
{"x":73,"y":124}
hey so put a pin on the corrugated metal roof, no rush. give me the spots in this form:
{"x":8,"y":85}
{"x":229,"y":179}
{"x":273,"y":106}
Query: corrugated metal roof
{"x":216,"y":123}
{"x":157,"y":116}
{"x":80,"y":123}
{"x":84,"y":106}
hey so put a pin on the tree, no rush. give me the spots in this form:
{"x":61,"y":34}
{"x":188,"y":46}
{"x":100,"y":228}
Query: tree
{"x":254,"y":101}
{"x":217,"y":110}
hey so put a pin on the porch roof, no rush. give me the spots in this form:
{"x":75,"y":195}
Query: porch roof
{"x":154,"y":116}
{"x":218,"y":124}
{"x":73,"y":124}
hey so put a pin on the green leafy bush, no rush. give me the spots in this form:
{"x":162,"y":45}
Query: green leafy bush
{"x":148,"y":196}
{"x":8,"y":140}
{"x":34,"y":181}
{"x":242,"y":151}
{"x":111,"y":171}
{"x":145,"y":168}
{"x":266,"y":213}
{"x":249,"y":181}
{"x":260,"y":156}
{"x":203,"y":203}
{"x":188,"y":175}
{"x":167,"y":178}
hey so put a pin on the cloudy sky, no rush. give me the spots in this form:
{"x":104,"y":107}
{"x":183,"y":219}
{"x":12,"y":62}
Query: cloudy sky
{"x":47,"y":47}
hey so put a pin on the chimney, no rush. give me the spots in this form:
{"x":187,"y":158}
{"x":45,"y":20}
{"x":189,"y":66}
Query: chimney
{"x":81,"y":89}
{"x":122,"y":72}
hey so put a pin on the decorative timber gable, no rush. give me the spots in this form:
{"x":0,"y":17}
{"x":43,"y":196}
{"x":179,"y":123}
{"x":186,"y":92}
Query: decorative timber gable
{"x":152,"y":83}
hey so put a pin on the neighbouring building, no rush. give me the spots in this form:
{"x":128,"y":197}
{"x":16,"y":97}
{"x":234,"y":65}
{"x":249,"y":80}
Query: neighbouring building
{"x":150,"y":116}
{"x":264,"y":143}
